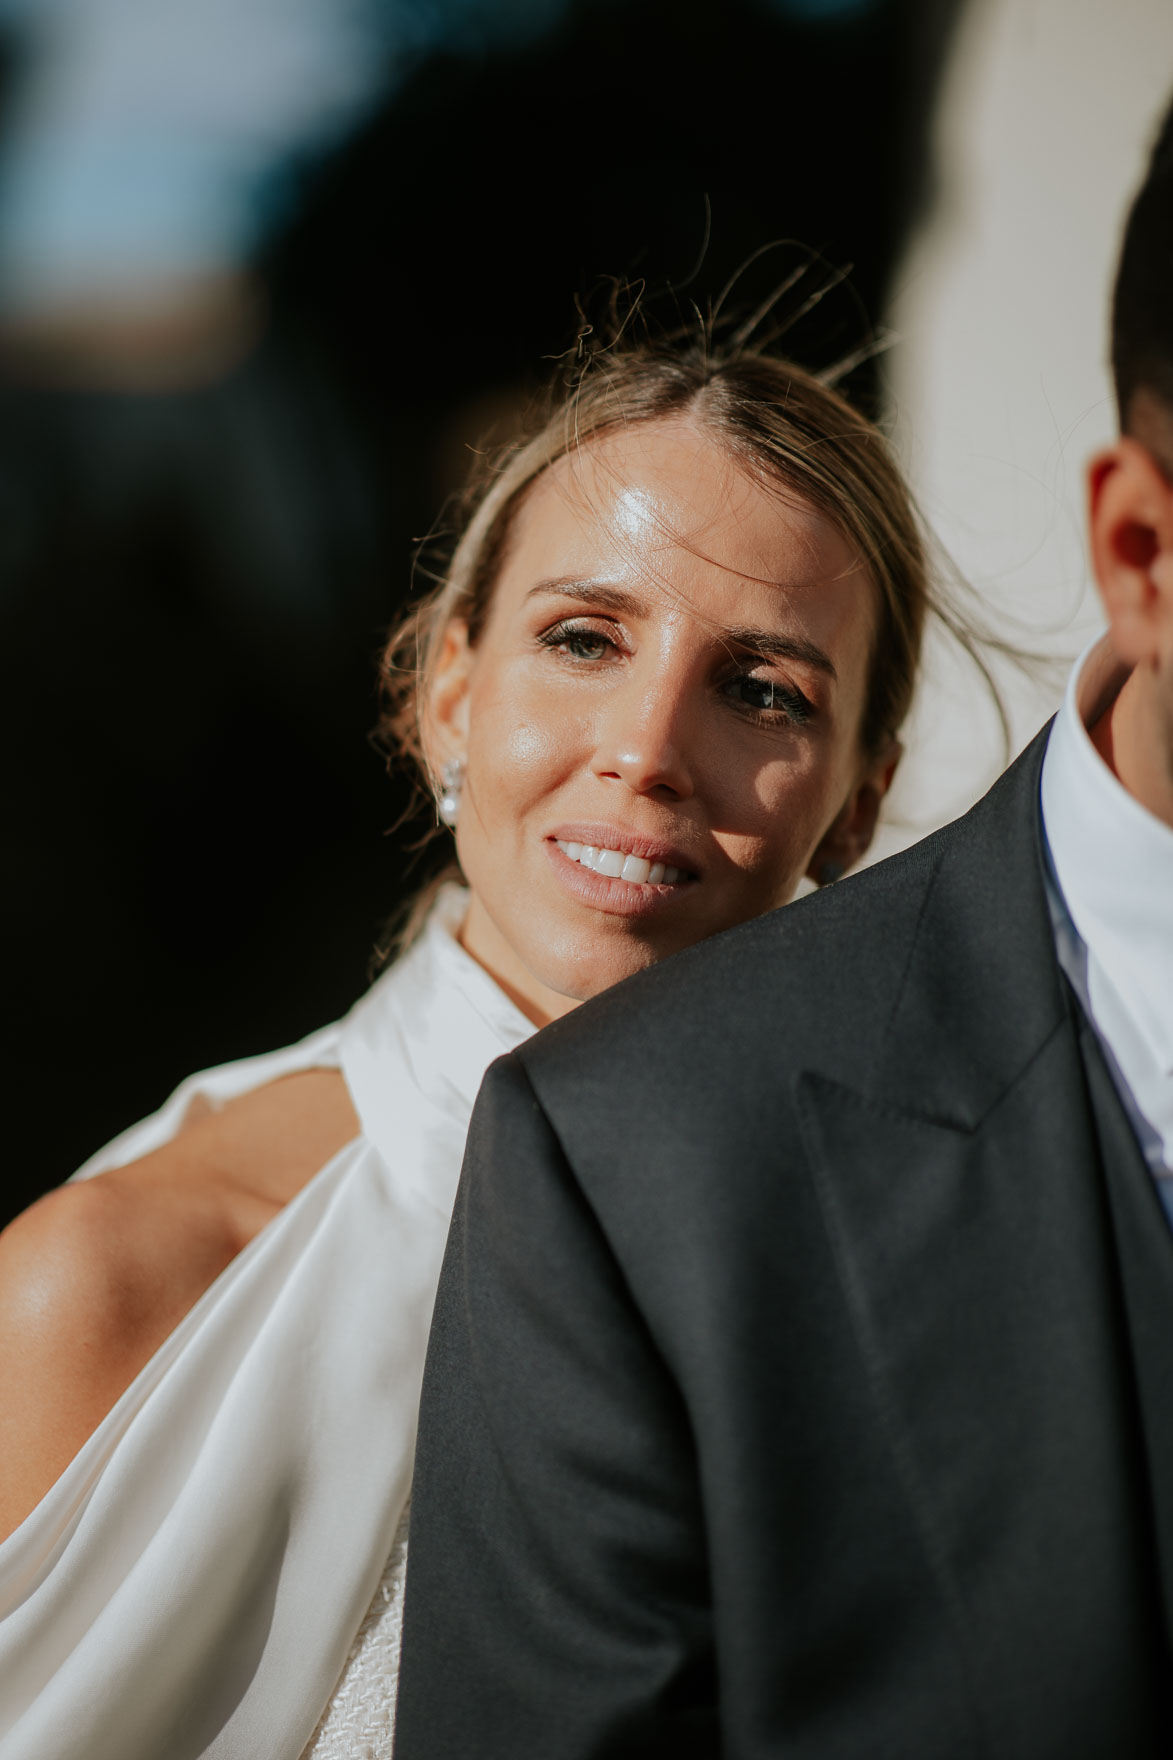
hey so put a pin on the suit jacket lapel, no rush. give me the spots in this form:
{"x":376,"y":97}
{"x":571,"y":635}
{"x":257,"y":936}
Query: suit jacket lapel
{"x":981,"y":990}
{"x":962,"y":1193}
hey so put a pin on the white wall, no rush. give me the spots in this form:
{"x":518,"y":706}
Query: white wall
{"x":999,"y":377}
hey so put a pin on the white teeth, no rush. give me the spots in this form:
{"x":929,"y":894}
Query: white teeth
{"x":615,"y":865}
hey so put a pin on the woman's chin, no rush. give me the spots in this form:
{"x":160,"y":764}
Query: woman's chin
{"x":578,"y":980}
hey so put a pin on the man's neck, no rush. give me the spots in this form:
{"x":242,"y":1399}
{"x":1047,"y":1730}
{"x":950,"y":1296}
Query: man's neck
{"x":1133,"y":737}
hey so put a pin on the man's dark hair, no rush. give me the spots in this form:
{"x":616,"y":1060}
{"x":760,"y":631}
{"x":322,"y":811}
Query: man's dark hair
{"x":1142,"y":310}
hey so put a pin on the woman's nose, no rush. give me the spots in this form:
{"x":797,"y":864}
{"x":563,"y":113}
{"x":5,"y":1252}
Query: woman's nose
{"x":643,"y":740}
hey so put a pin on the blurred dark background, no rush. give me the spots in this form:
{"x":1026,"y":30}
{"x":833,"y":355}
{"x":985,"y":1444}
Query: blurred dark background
{"x":212,"y":480}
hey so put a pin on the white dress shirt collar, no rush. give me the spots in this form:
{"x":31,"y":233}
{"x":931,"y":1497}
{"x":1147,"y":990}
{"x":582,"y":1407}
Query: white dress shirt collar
{"x":1113,"y":859}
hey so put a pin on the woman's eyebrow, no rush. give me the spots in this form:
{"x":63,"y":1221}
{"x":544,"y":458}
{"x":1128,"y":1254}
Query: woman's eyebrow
{"x":771,"y":644}
{"x":604,"y":593}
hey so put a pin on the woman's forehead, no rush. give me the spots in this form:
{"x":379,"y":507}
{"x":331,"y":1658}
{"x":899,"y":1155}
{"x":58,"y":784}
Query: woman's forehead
{"x":665,"y":498}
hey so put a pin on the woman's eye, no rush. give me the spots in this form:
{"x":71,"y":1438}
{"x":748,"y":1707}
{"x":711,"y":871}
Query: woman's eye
{"x":578,"y":641}
{"x":766,"y":696}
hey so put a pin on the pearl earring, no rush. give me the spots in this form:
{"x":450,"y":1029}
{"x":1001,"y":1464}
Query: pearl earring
{"x":452,"y":781}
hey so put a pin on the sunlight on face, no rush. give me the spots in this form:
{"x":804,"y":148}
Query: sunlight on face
{"x":634,"y":515}
{"x":661,"y":716}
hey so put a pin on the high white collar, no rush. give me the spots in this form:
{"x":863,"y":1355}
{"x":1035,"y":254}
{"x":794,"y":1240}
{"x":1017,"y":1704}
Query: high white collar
{"x":1113,"y":859}
{"x":414,"y":1048}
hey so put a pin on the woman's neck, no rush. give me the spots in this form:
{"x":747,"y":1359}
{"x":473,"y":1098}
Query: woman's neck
{"x":481,"y":938}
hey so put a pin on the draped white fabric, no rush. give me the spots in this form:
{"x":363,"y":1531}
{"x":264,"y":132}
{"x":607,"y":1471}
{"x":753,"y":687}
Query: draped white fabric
{"x":191,"y":1584}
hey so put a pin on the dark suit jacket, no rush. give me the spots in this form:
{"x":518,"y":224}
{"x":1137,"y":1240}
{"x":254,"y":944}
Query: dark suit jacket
{"x":778,"y":1401}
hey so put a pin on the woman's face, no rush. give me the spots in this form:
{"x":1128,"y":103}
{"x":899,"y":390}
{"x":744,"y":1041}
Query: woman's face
{"x":672,"y":672}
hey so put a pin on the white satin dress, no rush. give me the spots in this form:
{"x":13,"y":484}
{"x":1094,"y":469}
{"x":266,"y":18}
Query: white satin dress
{"x":219,"y":1571}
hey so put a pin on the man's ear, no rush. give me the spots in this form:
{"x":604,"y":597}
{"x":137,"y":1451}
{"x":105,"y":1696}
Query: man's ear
{"x":1130,"y":525}
{"x":445,"y":718}
{"x":848,"y":837}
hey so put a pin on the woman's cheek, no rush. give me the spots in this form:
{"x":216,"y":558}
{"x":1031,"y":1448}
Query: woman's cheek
{"x":533,"y":749}
{"x":788,"y":820}
{"x":526,"y":752}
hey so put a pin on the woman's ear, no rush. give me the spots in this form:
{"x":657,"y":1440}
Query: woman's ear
{"x":848,"y":837}
{"x":445,"y":720}
{"x":1130,"y":522}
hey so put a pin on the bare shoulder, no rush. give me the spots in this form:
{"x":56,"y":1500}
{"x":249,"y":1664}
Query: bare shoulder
{"x":73,"y":1268}
{"x":75,"y":1328}
{"x":96,"y":1275}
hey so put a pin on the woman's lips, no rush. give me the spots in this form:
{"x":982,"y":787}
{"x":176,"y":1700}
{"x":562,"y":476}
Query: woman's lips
{"x":613,"y":864}
{"x":616,"y":842}
{"x":632,"y":895}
